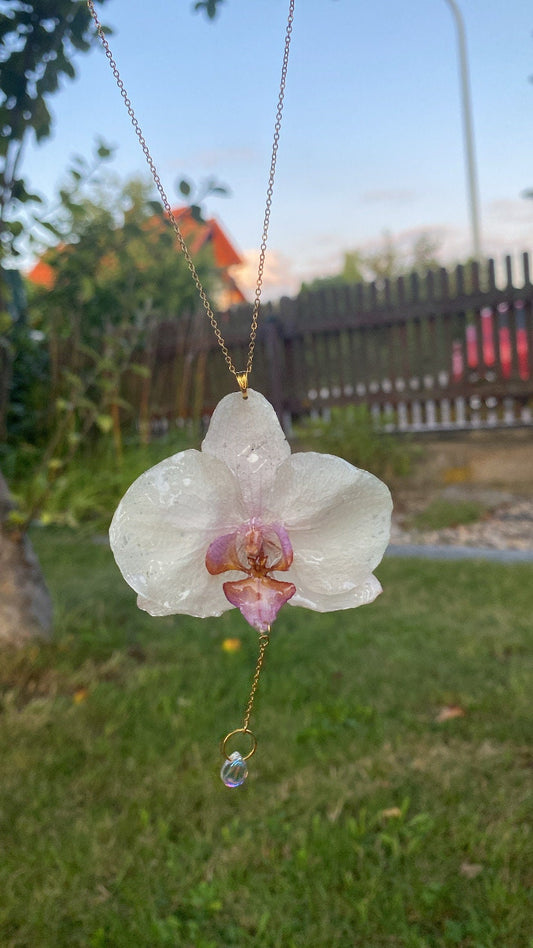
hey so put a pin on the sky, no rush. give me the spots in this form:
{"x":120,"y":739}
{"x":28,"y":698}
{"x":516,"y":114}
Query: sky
{"x":372,"y":137}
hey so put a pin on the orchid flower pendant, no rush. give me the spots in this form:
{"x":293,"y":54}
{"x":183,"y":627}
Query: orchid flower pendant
{"x":244,"y":523}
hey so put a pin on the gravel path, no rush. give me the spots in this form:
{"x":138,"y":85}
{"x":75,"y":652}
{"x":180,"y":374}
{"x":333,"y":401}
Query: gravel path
{"x":505,"y":534}
{"x":429,"y":552}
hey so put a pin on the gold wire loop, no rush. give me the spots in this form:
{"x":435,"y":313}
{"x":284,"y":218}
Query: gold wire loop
{"x":263,"y":642}
{"x":242,"y":379}
{"x":239,"y":730}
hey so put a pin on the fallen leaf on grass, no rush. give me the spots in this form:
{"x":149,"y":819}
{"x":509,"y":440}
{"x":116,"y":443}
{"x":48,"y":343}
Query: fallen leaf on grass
{"x":103,"y":894}
{"x":231,"y":645}
{"x":393,"y":813}
{"x":470,"y":869}
{"x":336,"y":811}
{"x":80,"y":695}
{"x":449,"y":712}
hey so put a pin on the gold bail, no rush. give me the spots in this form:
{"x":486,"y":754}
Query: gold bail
{"x":242,"y":379}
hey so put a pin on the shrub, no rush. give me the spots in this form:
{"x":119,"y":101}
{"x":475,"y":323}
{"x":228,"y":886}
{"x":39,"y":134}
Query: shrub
{"x":351,"y":433}
{"x":90,"y":487}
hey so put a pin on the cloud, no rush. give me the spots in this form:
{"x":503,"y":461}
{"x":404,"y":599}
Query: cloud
{"x":279,"y":278}
{"x":208,"y":159}
{"x":506,"y":228}
{"x":404,"y":239}
{"x":505,"y":210}
{"x":389,"y":196}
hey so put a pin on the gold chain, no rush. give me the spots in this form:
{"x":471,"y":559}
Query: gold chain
{"x":242,"y":377}
{"x":264,"y":638}
{"x":263,"y":642}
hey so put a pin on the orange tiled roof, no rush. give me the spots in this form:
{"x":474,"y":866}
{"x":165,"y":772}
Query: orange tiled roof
{"x":42,"y":274}
{"x":203,"y":232}
{"x":197,"y":234}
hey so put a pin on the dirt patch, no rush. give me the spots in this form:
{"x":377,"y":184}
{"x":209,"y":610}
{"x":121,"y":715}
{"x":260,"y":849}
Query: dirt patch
{"x":493,"y":468}
{"x":499,"y":460}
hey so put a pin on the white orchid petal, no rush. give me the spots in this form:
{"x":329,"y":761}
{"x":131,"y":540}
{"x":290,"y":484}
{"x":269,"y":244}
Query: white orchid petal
{"x":246,"y":435}
{"x":360,"y":595}
{"x":162,"y":529}
{"x":217,"y":605}
{"x":338,"y":520}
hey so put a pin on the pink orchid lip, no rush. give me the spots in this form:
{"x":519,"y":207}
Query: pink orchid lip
{"x":259,"y":599}
{"x":257,"y":549}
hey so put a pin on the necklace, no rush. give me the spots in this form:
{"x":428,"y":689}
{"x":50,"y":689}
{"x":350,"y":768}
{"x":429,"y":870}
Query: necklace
{"x":305,"y":529}
{"x":241,"y":376}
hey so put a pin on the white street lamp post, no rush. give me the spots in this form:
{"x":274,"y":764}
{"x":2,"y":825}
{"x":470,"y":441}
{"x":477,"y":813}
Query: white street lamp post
{"x":468,"y":131}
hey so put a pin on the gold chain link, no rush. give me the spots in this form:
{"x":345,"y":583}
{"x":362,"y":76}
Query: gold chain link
{"x":263,"y":640}
{"x":166,"y":204}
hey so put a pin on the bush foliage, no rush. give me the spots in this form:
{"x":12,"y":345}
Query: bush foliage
{"x":350,"y":433}
{"x":87,"y":491}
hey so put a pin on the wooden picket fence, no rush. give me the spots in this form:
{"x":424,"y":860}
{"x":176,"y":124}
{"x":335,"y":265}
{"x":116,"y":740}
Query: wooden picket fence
{"x":451,"y":350}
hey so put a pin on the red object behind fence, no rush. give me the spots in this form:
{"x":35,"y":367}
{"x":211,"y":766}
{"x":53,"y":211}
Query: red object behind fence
{"x":493,"y":336}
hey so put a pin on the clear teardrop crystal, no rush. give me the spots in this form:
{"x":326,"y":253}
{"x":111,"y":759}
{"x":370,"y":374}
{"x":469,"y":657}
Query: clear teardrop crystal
{"x":234,"y":771}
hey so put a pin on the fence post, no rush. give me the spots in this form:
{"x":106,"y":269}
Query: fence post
{"x":5,"y":384}
{"x":275,"y":366}
{"x":405,"y":347}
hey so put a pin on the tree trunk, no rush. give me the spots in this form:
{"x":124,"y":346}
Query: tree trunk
{"x":25,"y":604}
{"x":5,"y":382}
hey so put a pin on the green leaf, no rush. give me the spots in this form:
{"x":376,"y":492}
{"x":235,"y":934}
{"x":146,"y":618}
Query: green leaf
{"x":184,"y":187}
{"x":6,"y":321}
{"x":196,"y":213}
{"x":73,"y":380}
{"x":68,"y":68}
{"x":41,"y":120}
{"x":16,"y":228}
{"x":13,"y":78}
{"x":19,"y":193}
{"x":86,"y":403}
{"x":89,"y":351}
{"x":87,"y":288}
{"x":142,"y":370}
{"x":51,"y":227}
{"x":122,"y":403}
{"x":15,"y":518}
{"x":48,"y":83}
{"x":208,"y":6}
{"x":63,"y":405}
{"x":105,"y":423}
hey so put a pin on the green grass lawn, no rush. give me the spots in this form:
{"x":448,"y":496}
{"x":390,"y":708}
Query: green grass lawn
{"x":366,"y":822}
{"x":441,"y":513}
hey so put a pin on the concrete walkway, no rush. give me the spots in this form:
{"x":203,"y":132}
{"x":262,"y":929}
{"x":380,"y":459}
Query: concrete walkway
{"x":503,"y":535}
{"x":434,"y":552}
